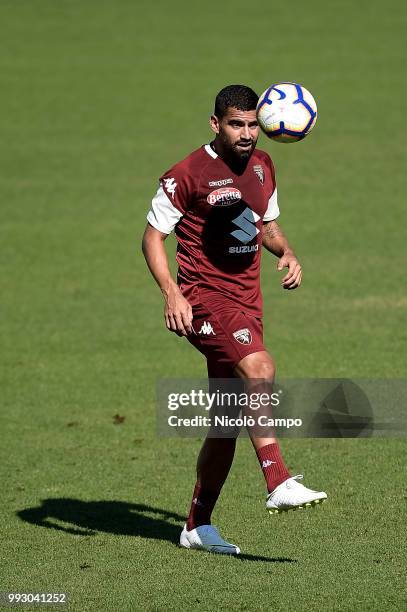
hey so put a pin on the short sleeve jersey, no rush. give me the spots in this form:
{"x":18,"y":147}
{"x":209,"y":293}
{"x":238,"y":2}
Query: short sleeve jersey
{"x":217,"y":216}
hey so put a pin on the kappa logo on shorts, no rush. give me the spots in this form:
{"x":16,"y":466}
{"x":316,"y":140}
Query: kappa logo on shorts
{"x":243,"y":336}
{"x":206,"y":329}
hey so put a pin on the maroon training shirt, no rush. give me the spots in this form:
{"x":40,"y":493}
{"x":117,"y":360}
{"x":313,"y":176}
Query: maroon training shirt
{"x":217,"y":216}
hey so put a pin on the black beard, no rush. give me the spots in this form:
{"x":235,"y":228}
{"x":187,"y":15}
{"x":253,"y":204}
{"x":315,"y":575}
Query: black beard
{"x":244,"y":155}
{"x":240,"y":159}
{"x":236,"y":160}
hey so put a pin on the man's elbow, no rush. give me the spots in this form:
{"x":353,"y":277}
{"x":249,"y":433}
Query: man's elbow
{"x":151,"y":237}
{"x":144,"y":243}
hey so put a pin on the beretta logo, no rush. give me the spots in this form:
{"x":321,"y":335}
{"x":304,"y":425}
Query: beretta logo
{"x":224,"y":196}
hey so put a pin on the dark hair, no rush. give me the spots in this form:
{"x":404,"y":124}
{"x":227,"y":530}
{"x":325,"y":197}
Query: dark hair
{"x":239,"y":96}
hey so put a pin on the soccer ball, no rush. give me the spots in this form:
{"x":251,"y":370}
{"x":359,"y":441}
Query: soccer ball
{"x":286,"y":112}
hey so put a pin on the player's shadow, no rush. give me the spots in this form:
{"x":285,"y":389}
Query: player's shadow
{"x":82,"y":518}
{"x":86,"y":518}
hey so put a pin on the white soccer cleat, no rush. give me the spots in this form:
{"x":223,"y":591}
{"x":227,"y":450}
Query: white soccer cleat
{"x":206,"y":537}
{"x":290,"y":495}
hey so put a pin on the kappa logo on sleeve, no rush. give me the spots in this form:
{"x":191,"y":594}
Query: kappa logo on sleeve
{"x":243,"y":336}
{"x":170,"y":186}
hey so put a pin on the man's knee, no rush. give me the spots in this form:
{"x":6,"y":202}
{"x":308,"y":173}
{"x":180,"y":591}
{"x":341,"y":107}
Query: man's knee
{"x":265,"y":370}
{"x":256,"y":365}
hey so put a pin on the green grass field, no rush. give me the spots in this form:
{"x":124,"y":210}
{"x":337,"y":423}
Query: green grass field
{"x":97,"y":100}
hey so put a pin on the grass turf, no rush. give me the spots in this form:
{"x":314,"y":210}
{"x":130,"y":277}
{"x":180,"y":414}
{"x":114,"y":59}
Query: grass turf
{"x":98,"y":98}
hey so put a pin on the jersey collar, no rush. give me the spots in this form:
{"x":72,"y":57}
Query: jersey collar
{"x":210,"y":151}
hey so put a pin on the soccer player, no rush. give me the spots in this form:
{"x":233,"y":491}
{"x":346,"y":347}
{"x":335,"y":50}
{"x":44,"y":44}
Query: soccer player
{"x":221,"y":201}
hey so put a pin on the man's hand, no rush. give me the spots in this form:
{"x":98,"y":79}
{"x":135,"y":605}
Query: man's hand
{"x":177,"y":312}
{"x":292,"y":279}
{"x":275,"y":242}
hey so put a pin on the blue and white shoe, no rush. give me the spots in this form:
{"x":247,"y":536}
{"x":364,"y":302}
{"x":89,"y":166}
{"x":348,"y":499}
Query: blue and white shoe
{"x":206,"y":537}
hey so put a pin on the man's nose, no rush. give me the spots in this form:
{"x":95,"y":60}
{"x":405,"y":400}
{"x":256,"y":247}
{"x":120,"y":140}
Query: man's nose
{"x":246,"y":132}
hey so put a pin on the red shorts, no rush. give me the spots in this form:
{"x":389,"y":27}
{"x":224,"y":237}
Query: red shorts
{"x":225,"y":338}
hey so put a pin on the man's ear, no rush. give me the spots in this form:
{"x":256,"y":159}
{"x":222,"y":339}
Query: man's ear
{"x":214,"y":123}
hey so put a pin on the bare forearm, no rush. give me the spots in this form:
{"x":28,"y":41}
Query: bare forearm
{"x":157,"y":260}
{"x":274,"y":239}
{"x":177,"y":310}
{"x":275,"y":242}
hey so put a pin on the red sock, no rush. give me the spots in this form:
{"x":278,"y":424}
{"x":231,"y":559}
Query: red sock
{"x":203,"y":502}
{"x":273,"y":466}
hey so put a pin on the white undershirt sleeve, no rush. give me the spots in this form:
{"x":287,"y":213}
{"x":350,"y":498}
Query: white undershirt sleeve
{"x":273,"y":210}
{"x":163,"y":215}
